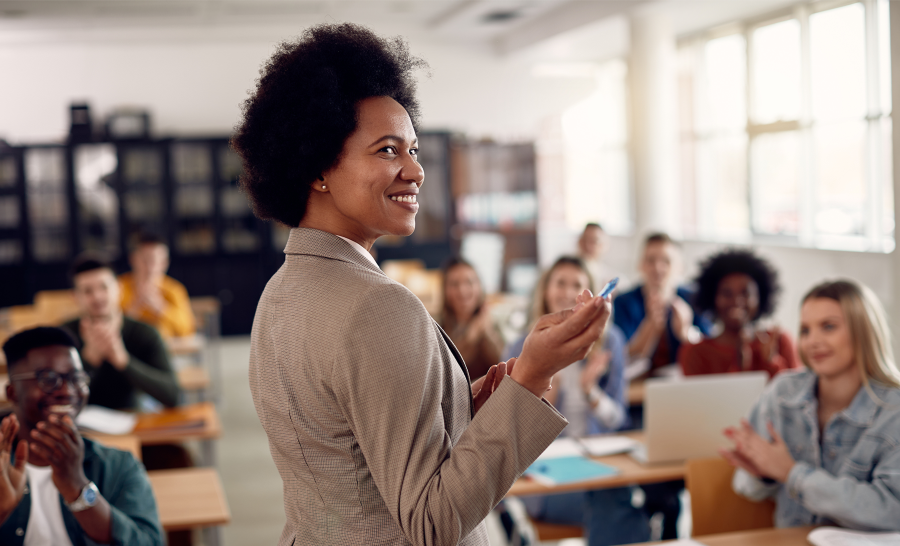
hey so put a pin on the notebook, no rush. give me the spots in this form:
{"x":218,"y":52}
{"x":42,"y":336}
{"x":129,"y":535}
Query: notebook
{"x":832,"y":536}
{"x":562,"y":470}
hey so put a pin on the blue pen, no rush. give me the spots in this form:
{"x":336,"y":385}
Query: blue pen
{"x":610,"y":286}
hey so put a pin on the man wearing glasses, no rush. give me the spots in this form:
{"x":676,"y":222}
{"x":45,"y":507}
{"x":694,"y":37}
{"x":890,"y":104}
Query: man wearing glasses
{"x":60,"y":488}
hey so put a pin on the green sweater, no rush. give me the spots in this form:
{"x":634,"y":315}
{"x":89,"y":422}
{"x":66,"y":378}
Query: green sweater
{"x":148,"y":369}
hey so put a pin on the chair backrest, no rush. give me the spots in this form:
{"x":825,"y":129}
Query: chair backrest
{"x":57,"y":306}
{"x":715,"y":507}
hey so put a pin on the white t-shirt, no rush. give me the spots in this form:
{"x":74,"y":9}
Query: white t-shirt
{"x":45,"y":522}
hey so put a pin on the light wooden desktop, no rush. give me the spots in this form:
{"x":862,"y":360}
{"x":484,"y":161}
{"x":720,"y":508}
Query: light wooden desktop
{"x":189,"y":498}
{"x":794,"y":536}
{"x":631,"y":472}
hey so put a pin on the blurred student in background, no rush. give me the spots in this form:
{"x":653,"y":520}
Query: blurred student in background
{"x":825,"y":441}
{"x":150,"y":296}
{"x":122,"y":356}
{"x":591,"y":248}
{"x":739,"y":288}
{"x":656,"y":317}
{"x":591,"y":396}
{"x":466,"y":318}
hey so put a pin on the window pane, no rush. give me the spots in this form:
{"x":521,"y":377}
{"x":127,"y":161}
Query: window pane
{"x":839,"y":152}
{"x":722,"y":185}
{"x":838,"y":63}
{"x":776,"y":72}
{"x":884,"y":54}
{"x":887,"y":174}
{"x":775,"y":182}
{"x":724,"y":104}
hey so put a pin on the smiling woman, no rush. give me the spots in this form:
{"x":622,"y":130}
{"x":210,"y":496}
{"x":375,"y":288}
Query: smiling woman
{"x":367,"y":404}
{"x":825,"y":442}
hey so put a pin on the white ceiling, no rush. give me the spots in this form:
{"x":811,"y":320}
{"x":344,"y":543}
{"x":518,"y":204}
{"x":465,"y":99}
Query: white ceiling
{"x":547,"y":28}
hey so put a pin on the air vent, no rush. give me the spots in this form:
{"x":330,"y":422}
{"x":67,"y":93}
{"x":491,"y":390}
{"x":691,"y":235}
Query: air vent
{"x":500,"y":16}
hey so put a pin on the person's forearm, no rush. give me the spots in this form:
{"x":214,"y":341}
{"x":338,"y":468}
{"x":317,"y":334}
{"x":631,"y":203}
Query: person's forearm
{"x":160,"y":384}
{"x":606,"y":410}
{"x":644,"y":340}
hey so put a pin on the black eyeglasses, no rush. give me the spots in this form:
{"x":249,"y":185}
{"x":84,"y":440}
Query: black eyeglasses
{"x":49,"y":381}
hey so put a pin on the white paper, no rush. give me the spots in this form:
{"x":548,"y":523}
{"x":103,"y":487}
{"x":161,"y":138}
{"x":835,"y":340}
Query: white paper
{"x":832,"y":536}
{"x":563,"y":447}
{"x":105,"y":420}
{"x":600,"y":446}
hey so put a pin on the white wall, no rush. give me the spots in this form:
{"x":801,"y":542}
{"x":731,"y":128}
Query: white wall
{"x":193,"y":78}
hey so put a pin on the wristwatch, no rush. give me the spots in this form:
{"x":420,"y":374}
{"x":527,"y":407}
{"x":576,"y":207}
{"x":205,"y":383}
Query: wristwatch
{"x":86,"y":499}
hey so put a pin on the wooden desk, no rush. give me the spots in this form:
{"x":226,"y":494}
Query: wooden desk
{"x":193,"y":378}
{"x":795,"y":536}
{"x":631,"y":473}
{"x":149,"y":431}
{"x":636,"y":393}
{"x":189,"y":498}
{"x":187,"y":345}
{"x":124,"y":442}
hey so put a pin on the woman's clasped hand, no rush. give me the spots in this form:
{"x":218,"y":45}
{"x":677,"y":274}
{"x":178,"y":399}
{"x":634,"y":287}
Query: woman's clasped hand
{"x":758,"y":456}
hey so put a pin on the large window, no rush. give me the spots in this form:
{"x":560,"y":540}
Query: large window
{"x":786,"y":130}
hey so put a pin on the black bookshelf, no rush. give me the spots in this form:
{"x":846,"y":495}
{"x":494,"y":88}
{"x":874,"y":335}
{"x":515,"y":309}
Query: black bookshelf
{"x":59,"y":200}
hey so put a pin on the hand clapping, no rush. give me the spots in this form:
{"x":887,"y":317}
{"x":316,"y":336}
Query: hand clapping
{"x":757,"y":456}
{"x":485,"y":386}
{"x":58,"y":442}
{"x":103,"y":341}
{"x":12,"y":476}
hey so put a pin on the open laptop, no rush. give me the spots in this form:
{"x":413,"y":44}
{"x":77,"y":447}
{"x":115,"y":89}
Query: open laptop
{"x":684,"y":418}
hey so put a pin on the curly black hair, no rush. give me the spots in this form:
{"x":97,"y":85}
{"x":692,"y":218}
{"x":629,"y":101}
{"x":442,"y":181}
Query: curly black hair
{"x":304,"y":108}
{"x":718,"y":266}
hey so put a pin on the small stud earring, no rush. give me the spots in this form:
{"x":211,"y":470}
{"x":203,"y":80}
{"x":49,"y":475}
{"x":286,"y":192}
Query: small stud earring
{"x":323,"y":186}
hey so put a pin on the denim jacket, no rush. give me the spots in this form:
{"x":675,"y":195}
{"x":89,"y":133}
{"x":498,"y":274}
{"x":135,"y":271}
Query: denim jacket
{"x":851,"y":477}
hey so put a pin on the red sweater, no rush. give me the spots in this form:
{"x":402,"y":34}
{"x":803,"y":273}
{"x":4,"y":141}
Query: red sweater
{"x":711,"y":356}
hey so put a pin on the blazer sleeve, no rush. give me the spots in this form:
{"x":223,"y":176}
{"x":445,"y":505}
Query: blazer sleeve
{"x":389,"y":378}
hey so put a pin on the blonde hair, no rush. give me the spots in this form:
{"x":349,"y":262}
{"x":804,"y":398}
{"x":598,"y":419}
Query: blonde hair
{"x":539,"y":302}
{"x":868,"y":326}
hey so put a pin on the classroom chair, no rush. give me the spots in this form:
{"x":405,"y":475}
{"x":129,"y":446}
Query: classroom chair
{"x":715,"y":507}
{"x":57,"y":306}
{"x":548,"y":532}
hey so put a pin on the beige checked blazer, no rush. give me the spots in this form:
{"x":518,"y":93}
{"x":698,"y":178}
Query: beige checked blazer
{"x":368,"y":409}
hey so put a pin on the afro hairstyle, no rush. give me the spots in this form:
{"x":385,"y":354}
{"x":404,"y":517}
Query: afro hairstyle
{"x":718,"y":266}
{"x":16,"y":348}
{"x":295,"y":124}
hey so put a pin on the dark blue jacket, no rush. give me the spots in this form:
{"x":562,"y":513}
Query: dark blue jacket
{"x":123,"y":483}
{"x":628,"y":312}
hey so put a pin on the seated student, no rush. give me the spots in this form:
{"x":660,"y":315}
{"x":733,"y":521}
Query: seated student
{"x":740,"y":288}
{"x":591,"y":247}
{"x":591,"y":396}
{"x":467,"y":319}
{"x":825,"y":441}
{"x":61,"y":489}
{"x":656,"y":317}
{"x":123,"y":357}
{"x":150,"y":296}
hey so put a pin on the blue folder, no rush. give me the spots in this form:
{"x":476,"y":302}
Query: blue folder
{"x":568,"y":470}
